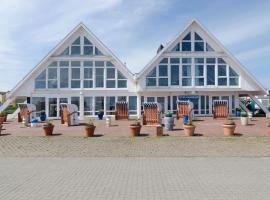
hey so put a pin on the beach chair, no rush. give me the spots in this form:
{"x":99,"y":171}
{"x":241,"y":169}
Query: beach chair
{"x":152,"y":113}
{"x":184,"y":108}
{"x":121,"y":110}
{"x":69,"y":114}
{"x":220,"y":109}
{"x":27,"y":111}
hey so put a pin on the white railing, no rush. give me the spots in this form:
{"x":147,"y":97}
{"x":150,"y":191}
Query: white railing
{"x":5,"y":105}
{"x":267,"y":113}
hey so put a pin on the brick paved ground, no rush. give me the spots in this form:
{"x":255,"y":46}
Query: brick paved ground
{"x":135,"y":178}
{"x":204,"y":127}
{"x":116,"y":166}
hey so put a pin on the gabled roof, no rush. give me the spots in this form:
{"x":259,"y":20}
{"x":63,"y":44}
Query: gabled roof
{"x":105,"y":49}
{"x":210,"y":35}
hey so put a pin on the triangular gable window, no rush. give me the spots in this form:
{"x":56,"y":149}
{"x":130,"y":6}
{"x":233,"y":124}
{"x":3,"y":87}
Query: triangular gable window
{"x":98,"y":52}
{"x":197,"y":37}
{"x":209,"y":48}
{"x":77,"y":41}
{"x":87,"y":42}
{"x":187,"y":37}
{"x":176,"y":48}
{"x":65,"y":52}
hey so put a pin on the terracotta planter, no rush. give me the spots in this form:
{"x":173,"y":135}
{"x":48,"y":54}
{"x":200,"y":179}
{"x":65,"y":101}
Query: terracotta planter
{"x":268,"y":130}
{"x":19,"y":118}
{"x":2,"y":119}
{"x":89,"y":131}
{"x":228,"y":130}
{"x":135,"y":130}
{"x":48,"y":130}
{"x":189,"y":130}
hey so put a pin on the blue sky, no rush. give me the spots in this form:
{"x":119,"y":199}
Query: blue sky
{"x":131,"y":29}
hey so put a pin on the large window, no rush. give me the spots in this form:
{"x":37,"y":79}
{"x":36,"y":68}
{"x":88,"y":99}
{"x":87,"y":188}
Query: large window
{"x":88,"y":74}
{"x":151,"y":78}
{"x":210,"y":71}
{"x":75,"y":47}
{"x":110,"y":80}
{"x":163,"y":75}
{"x":132,"y":105}
{"x":39,"y":102}
{"x":198,"y":44}
{"x":40,"y":81}
{"x":64,"y":74}
{"x":99,"y":104}
{"x":110,"y":105}
{"x":121,"y":80}
{"x":75,"y":74}
{"x":186,"y":43}
{"x":52,"y":75}
{"x":99,"y":74}
{"x":88,"y":48}
{"x":175,"y":62}
{"x":186,"y":72}
{"x":199,"y":71}
{"x":234,"y":77}
{"x":88,"y":106}
{"x":222,"y":74}
{"x":76,"y":101}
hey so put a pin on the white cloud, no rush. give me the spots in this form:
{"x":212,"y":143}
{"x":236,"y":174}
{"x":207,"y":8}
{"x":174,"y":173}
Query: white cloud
{"x":254,"y":53}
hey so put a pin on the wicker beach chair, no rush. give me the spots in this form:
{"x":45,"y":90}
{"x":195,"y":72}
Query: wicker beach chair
{"x":121,"y":110}
{"x":152,"y":113}
{"x":220,"y":109}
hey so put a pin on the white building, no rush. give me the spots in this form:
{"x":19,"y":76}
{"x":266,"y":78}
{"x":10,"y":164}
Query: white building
{"x":83,"y":71}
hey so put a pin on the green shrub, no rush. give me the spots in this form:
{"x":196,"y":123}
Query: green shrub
{"x":168,"y":114}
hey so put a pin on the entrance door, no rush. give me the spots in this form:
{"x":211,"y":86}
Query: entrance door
{"x":53,"y":107}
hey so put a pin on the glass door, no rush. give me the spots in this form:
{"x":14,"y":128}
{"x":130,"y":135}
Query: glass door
{"x":161,"y":100}
{"x":53,"y":107}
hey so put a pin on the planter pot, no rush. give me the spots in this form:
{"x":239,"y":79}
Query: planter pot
{"x":169,"y":122}
{"x":159,"y":131}
{"x":244,"y":121}
{"x":135,"y":130}
{"x":189,"y":130}
{"x":100,"y":116}
{"x":238,"y":113}
{"x":89,"y":131}
{"x":228,"y":130}
{"x":48,"y":130}
{"x":2,"y":119}
{"x":43,"y":117}
{"x":268,"y":130}
{"x":108,"y":121}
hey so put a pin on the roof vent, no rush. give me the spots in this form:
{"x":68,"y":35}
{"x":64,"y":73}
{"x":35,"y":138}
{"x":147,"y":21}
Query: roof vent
{"x":160,"y":48}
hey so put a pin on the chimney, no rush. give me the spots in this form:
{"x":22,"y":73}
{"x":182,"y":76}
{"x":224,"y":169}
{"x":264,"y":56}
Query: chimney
{"x":160,"y":48}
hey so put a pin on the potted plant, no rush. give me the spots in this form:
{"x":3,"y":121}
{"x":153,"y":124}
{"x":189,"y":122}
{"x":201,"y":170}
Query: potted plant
{"x":169,"y":121}
{"x":244,"y":118}
{"x":48,"y":127}
{"x":189,"y":128}
{"x":90,"y":128}
{"x":135,"y":128}
{"x":100,"y":114}
{"x":229,"y":127}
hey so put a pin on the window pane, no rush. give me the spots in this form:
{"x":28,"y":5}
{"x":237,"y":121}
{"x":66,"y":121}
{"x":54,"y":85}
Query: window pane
{"x":75,"y":84}
{"x":64,"y":78}
{"x":174,"y":75}
{"x":88,"y":105}
{"x":199,"y":70}
{"x":40,"y":84}
{"x":209,"y":48}
{"x":122,"y":83}
{"x":186,"y":46}
{"x":199,"y":46}
{"x":163,"y":81}
{"x":110,"y":73}
{"x":64,"y":63}
{"x":197,"y":37}
{"x":186,"y":81}
{"x":52,"y":73}
{"x":175,"y":60}
{"x":186,"y":70}
{"x":164,"y":61}
{"x":75,"y":73}
{"x":88,"y":73}
{"x":99,"y":104}
{"x":211,"y":75}
{"x":222,"y":70}
{"x":222,"y":81}
{"x":40,"y":104}
{"x":75,"y":63}
{"x":109,"y":64}
{"x":234,"y":81}
{"x":132,"y":105}
{"x":211,"y":60}
{"x":99,"y":77}
{"x":199,"y":81}
{"x":186,"y":60}
{"x":152,"y":73}
{"x":88,"y":50}
{"x":76,"y":101}
{"x":87,"y":83}
{"x":98,"y":52}
{"x":77,"y":41}
{"x":75,"y":50}
{"x":187,"y":37}
{"x":120,"y":75}
{"x":163,"y":70}
{"x":88,"y":63}
{"x":110,"y":105}
{"x":199,"y":60}
{"x":87,"y":42}
{"x":52,"y":84}
{"x":110,"y":83}
{"x":99,"y":63}
{"x":232,"y":72}
{"x":151,"y":82}
{"x":176,"y":48}
{"x":122,"y":98}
